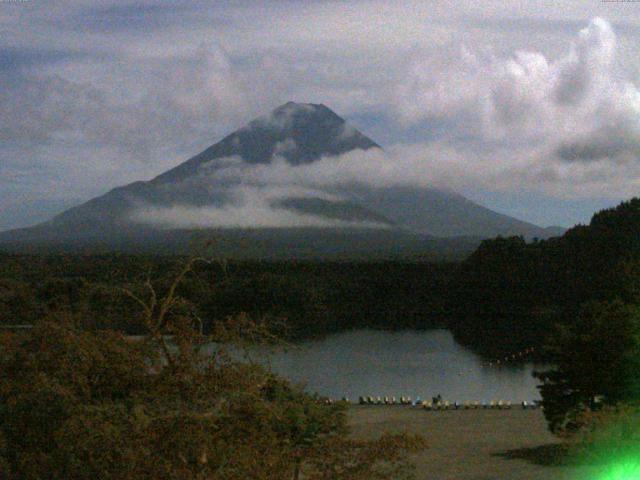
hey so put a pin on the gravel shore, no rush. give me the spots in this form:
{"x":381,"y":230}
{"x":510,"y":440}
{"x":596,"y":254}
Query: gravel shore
{"x":472,"y":444}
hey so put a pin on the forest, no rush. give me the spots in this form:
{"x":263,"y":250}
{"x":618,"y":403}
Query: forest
{"x":507,"y":289}
{"x":306,"y":299}
{"x":78,"y":403}
{"x":112,"y":403}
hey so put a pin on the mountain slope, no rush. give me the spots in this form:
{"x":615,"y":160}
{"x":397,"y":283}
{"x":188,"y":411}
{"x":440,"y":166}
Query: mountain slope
{"x":301,"y":133}
{"x":193,"y":196}
{"x":446,"y":214}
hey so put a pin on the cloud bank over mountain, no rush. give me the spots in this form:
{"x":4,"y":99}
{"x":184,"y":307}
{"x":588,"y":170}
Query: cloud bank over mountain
{"x":249,"y":206}
{"x":300,"y":173}
{"x":95,"y":95}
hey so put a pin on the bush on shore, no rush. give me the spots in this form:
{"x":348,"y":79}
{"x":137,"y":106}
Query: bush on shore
{"x":80,"y":404}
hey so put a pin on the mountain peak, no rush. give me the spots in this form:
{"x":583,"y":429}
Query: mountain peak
{"x":297,"y":105}
{"x":297,"y":132}
{"x":292,"y":116}
{"x":190,"y":197}
{"x":303,"y":106}
{"x":306,"y":110}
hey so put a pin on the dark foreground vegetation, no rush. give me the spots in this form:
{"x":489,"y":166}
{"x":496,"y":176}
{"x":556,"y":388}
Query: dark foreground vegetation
{"x":80,"y":400}
{"x":507,"y":296}
{"x":79,"y":404}
{"x":308,"y":298}
{"x":577,"y":299}
{"x":509,"y":292}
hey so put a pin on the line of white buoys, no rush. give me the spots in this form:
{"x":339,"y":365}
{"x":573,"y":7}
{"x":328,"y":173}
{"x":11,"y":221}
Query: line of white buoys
{"x":498,"y":362}
{"x":492,"y":405}
{"x":402,"y":400}
{"x":446,"y":404}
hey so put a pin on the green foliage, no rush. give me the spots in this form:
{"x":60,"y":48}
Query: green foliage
{"x":576,"y":294}
{"x":519,"y":291}
{"x":609,"y":436}
{"x":497,"y":294}
{"x":506,"y":296}
{"x":309,"y":298}
{"x":300,"y":299}
{"x":86,"y":404}
{"x":17,"y":302}
{"x":595,"y":357}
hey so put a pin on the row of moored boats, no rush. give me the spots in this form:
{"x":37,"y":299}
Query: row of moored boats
{"x":445,"y":404}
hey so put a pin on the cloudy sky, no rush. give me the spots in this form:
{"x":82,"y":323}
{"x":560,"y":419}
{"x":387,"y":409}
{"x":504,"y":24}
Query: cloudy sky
{"x":531,"y":108}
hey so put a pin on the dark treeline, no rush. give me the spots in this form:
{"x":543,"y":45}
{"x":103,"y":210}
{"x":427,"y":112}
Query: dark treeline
{"x":508,"y":295}
{"x":79,"y":403}
{"x":511,"y":294}
{"x":308,"y":298}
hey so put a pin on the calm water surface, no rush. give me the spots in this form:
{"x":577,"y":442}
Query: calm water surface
{"x":414,"y":363}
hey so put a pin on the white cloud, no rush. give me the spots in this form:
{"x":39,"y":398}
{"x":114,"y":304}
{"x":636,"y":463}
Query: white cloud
{"x":440,"y":165}
{"x":289,"y":145}
{"x":528,"y":98}
{"x":536,"y":116}
{"x":140,"y":87}
{"x":251,"y":207}
{"x":184,"y":99}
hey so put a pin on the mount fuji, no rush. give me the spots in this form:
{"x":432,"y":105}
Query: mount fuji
{"x":249,"y":192}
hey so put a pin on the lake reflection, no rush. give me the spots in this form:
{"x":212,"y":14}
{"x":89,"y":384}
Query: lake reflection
{"x":415,"y":363}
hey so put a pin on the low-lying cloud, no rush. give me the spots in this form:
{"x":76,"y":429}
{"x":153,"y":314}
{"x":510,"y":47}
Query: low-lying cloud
{"x":441,"y":166}
{"x":251,"y":206}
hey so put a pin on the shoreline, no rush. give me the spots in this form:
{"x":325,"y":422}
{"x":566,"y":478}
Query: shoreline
{"x":483,"y":444}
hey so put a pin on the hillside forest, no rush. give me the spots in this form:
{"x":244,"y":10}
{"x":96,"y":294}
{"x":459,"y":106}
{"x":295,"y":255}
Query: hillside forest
{"x":508,"y":295}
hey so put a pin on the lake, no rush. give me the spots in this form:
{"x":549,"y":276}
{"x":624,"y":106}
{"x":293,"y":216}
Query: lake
{"x":414,"y":363}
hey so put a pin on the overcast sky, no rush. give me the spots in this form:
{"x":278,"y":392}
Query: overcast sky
{"x":531,"y":108}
